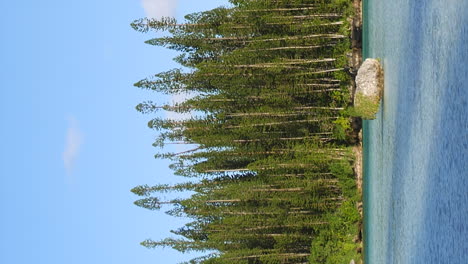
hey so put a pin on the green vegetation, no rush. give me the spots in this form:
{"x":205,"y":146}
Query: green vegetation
{"x":267,"y":157}
{"x":335,"y":243}
{"x":367,"y":108}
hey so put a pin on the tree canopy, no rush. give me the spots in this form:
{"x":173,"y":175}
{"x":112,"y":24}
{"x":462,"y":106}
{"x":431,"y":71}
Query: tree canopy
{"x":271,"y":164}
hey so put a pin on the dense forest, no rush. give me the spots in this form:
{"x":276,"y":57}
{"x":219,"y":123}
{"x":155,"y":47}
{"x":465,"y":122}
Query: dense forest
{"x":268,"y":158}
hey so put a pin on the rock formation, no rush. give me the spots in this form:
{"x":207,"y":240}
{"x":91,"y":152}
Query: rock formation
{"x":369,"y":87}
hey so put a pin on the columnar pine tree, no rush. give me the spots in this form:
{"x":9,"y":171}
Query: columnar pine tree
{"x":267,"y":90}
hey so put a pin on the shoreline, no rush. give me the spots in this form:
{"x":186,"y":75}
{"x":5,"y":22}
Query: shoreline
{"x":358,"y":173}
{"x":355,"y":61}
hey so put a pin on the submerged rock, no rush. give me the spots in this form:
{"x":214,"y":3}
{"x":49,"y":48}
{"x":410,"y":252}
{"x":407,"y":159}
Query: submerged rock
{"x":369,"y":87}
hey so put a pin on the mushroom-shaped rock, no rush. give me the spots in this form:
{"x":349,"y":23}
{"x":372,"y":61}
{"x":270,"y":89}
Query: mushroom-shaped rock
{"x":369,"y":87}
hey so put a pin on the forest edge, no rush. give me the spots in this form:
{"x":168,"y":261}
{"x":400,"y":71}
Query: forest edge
{"x":355,"y":61}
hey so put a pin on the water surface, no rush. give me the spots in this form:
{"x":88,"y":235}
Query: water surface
{"x":416,"y":151}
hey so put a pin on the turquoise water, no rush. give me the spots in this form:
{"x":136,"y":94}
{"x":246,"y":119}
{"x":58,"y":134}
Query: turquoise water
{"x":416,"y":151}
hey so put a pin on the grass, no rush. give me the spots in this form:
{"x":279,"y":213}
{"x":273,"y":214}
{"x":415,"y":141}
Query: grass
{"x":364,"y":107}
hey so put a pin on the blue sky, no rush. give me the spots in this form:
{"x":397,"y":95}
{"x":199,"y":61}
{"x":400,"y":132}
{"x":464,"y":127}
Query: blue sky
{"x":72,"y":144}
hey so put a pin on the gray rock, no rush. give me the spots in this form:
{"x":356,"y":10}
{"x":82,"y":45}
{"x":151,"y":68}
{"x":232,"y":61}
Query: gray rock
{"x":369,"y":80}
{"x":369,"y":87}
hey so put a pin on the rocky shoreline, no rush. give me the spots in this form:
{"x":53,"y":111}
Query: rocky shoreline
{"x":355,"y":61}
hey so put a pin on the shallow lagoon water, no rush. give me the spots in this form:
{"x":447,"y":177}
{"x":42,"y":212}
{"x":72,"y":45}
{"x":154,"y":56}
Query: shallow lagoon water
{"x":416,"y":151}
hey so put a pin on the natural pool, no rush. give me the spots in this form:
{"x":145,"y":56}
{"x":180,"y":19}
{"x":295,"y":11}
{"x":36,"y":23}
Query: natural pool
{"x":416,"y":151}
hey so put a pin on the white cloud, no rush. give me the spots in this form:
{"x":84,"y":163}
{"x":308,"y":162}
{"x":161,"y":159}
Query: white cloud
{"x":159,"y":8}
{"x":73,"y":142}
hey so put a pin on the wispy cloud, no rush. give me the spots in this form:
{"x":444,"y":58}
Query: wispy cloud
{"x":159,"y":8}
{"x":73,"y":142}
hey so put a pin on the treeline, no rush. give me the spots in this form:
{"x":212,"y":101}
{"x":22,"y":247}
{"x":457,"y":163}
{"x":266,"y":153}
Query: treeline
{"x":268,"y":164}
